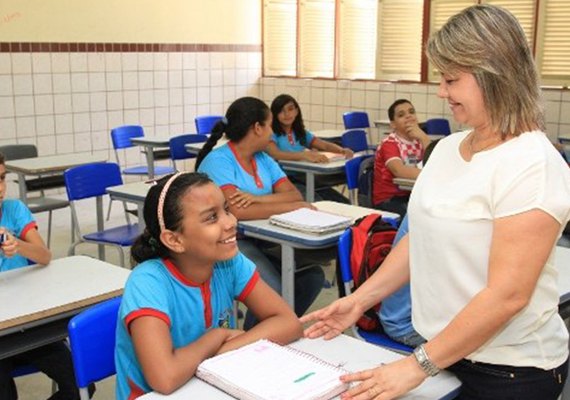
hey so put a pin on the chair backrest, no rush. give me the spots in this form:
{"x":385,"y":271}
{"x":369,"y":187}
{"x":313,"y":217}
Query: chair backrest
{"x":437,"y":126}
{"x":366,"y":182}
{"x":177,"y":149}
{"x":18,"y":151}
{"x":91,"y":180}
{"x":121,"y":136}
{"x":355,"y":120}
{"x":355,"y":140}
{"x":205,"y":123}
{"x":92,"y":342}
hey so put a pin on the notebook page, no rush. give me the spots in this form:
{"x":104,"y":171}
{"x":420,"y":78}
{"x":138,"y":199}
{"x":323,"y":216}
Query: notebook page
{"x":265,"y":370}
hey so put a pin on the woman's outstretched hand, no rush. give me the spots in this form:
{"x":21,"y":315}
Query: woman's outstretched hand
{"x":332,"y":320}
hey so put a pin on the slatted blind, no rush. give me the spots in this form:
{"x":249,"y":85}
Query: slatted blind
{"x":523,"y":10}
{"x":357,"y":45}
{"x":554,"y":42}
{"x":399,"y":39}
{"x":280,"y":37}
{"x":441,"y":11}
{"x":316,"y":38}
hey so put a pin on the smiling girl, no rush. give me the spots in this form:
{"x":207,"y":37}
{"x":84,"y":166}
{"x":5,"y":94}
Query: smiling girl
{"x":177,"y":308}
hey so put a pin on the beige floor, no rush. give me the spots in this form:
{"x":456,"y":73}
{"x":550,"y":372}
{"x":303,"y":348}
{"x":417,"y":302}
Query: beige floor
{"x":38,"y":386}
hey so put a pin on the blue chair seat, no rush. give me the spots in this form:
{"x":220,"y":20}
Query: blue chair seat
{"x":143,"y":170}
{"x":381,"y":339}
{"x":124,"y":235}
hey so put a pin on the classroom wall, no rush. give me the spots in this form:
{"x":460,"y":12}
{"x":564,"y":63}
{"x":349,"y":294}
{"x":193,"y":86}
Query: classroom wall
{"x":131,"y":21}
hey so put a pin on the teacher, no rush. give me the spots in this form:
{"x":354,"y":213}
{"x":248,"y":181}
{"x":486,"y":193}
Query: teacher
{"x":485,"y":215}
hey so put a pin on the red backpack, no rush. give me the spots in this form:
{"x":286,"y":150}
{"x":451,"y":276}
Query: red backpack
{"x":372,"y":240}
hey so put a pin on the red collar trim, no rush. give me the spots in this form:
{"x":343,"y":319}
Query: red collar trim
{"x":255,"y":176}
{"x":177,"y":274}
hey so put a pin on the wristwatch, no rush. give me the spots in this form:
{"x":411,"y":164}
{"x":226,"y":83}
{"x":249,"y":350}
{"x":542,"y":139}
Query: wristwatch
{"x":425,"y":363}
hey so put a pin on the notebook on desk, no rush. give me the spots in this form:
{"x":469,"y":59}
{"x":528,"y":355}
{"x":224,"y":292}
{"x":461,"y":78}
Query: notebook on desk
{"x":311,"y":221}
{"x":267,"y":371}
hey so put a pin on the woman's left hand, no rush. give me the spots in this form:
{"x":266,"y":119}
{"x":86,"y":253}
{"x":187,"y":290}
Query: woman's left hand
{"x":348,"y":153}
{"x":385,"y":382}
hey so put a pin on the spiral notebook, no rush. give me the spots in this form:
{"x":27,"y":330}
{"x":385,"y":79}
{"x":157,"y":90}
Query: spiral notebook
{"x":312,"y":221}
{"x":264,"y":370}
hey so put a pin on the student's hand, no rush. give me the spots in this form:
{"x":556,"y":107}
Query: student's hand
{"x":333,"y":319}
{"x":315,"y":157}
{"x":233,"y":333}
{"x":304,"y":204}
{"x":348,"y":153}
{"x":386,"y":381}
{"x":10,"y":245}
{"x":241,"y":199}
{"x":414,"y":130}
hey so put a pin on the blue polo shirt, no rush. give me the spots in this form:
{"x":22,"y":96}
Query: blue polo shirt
{"x":289,"y":142}
{"x":18,"y":220}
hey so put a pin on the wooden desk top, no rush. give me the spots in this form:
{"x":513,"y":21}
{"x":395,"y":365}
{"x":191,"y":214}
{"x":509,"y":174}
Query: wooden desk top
{"x":36,"y":294}
{"x":50,"y":164}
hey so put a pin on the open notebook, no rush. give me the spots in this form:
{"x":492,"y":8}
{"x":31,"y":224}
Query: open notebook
{"x":312,"y":221}
{"x":267,"y":371}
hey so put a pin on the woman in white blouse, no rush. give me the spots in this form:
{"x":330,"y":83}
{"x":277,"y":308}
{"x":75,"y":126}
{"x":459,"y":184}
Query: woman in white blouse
{"x":485,"y":215}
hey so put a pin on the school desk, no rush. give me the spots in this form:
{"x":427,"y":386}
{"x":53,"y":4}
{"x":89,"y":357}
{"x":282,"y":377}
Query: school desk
{"x":329,"y":134}
{"x":38,"y":301}
{"x":149,"y":144}
{"x":404,"y":183}
{"x":194,"y":148}
{"x":289,"y":239}
{"x":47,"y":165}
{"x":133,"y":193}
{"x":352,"y":354}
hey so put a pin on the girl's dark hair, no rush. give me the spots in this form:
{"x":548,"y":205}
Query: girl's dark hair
{"x":240,"y":116}
{"x":148,"y":244}
{"x":298,"y":125}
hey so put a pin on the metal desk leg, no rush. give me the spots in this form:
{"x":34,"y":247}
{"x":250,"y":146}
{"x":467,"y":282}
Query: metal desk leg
{"x":140,"y":215}
{"x":100,"y":226}
{"x":22,"y":187}
{"x":150,"y":161}
{"x":310,"y":182}
{"x":288,"y":274}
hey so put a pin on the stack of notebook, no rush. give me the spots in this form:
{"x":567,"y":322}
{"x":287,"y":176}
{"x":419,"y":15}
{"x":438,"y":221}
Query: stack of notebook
{"x":311,"y":221}
{"x":267,"y":371}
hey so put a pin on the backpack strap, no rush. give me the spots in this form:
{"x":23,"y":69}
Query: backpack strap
{"x":360,"y":232}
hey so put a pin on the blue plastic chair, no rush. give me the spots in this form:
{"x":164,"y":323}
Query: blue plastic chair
{"x":355,"y":140}
{"x":205,"y":123}
{"x":121,"y":138}
{"x":177,"y":143}
{"x":378,"y":338}
{"x":92,"y":342}
{"x":437,"y":126}
{"x":351,"y":170}
{"x":92,"y":181}
{"x":356,"y":120}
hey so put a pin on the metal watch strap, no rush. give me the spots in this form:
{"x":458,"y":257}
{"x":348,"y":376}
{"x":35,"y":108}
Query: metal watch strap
{"x":424,"y":362}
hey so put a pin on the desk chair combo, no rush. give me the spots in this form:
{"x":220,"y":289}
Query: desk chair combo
{"x":92,"y":342}
{"x":91,"y":181}
{"x":177,"y":149}
{"x":40,"y":203}
{"x":378,"y":338}
{"x":205,"y":123}
{"x":352,"y":170}
{"x":437,"y":126}
{"x":357,"y":120}
{"x":355,"y":140}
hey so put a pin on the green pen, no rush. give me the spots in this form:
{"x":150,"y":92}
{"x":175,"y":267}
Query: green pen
{"x":302,"y":378}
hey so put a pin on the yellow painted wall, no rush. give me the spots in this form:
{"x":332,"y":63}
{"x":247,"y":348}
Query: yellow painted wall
{"x":131,"y":21}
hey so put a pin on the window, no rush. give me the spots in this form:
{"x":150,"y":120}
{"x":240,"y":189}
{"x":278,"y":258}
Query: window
{"x":399,"y":39}
{"x":357,"y":34}
{"x":280,"y":37}
{"x":553,"y":43}
{"x":316,"y":38}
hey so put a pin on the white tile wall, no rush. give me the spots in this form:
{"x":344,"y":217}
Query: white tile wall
{"x":68,"y":102}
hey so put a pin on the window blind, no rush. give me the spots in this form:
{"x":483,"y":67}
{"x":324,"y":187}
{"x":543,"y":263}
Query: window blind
{"x":280,"y":37}
{"x":357,"y":45}
{"x":316,"y":38}
{"x":523,"y":10}
{"x":553,"y":43}
{"x":400,"y":24}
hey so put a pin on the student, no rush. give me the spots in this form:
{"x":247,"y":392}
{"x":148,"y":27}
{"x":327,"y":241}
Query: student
{"x":291,"y":141}
{"x":177,"y":307}
{"x":485,"y":214}
{"x":397,"y":157}
{"x":256,"y":188}
{"x":23,"y":245}
{"x":396,"y":312}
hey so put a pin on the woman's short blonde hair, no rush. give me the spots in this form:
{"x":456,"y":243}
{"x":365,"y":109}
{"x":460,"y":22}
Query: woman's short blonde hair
{"x":488,"y":42}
